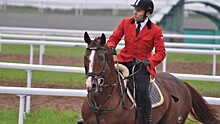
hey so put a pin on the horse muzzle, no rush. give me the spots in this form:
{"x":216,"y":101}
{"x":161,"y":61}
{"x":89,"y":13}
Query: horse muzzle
{"x":94,"y":84}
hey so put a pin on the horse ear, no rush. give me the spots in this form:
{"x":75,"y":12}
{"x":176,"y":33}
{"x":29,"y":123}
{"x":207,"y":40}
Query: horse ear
{"x":87,"y":38}
{"x":103,"y":38}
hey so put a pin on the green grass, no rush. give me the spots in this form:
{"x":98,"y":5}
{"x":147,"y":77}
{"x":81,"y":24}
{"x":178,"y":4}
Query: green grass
{"x":49,"y":50}
{"x":43,"y":77}
{"x":188,"y":58}
{"x":40,"y":116}
{"x":79,"y":52}
{"x":46,"y":116}
{"x":78,"y":79}
{"x":206,"y":87}
{"x":192,"y":122}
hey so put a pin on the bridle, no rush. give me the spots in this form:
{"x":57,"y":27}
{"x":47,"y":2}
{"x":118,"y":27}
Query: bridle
{"x":99,"y":77}
{"x":101,"y":84}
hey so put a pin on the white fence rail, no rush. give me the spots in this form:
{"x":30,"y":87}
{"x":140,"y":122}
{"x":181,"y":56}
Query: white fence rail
{"x":30,"y":68}
{"x":77,"y":5}
{"x":24,"y":92}
{"x":79,"y":33}
{"x":214,"y":48}
{"x":41,"y":40}
{"x":80,"y":5}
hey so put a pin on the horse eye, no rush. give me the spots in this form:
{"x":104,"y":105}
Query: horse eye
{"x":100,"y":58}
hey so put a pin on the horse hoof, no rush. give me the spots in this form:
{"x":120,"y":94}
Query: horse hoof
{"x":80,"y":121}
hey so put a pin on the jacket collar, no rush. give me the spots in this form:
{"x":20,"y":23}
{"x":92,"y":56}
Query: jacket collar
{"x":148,"y":24}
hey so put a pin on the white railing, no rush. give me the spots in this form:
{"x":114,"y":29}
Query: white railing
{"x":79,"y":33}
{"x":214,"y":48}
{"x":44,"y":31}
{"x":80,"y":5}
{"x":26,"y":92}
{"x":23,"y":92}
{"x":30,"y":67}
{"x":40,"y":41}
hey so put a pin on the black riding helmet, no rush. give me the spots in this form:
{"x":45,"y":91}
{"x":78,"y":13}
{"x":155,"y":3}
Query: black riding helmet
{"x":146,"y":5}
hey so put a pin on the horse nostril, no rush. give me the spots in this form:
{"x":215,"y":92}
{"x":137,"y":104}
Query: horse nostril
{"x":93,"y":85}
{"x":101,"y":81}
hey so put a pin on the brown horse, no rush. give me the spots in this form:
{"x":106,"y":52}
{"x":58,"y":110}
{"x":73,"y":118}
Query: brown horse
{"x":107,"y":102}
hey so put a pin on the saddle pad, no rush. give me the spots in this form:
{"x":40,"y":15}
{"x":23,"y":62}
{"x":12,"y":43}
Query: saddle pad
{"x":155,"y":95}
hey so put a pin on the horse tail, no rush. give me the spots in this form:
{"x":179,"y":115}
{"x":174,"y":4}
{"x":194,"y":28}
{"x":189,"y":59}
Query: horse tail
{"x":200,"y":110}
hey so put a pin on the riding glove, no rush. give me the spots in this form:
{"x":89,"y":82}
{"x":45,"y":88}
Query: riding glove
{"x":113,"y":51}
{"x":145,"y":62}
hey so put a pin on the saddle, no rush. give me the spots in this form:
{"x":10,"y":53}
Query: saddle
{"x":156,"y":96}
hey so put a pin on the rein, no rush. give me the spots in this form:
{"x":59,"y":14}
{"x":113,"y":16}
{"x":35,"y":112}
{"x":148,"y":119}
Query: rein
{"x":98,"y":109}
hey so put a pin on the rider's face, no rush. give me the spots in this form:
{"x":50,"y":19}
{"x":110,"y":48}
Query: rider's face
{"x":139,"y":14}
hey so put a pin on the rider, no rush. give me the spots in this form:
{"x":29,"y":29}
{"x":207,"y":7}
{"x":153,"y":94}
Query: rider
{"x":141,"y":35}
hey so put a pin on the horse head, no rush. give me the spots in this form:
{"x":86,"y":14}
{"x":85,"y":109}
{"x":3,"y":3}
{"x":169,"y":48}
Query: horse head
{"x":97,"y":62}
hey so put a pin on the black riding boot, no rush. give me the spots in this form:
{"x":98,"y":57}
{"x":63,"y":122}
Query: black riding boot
{"x":80,"y":121}
{"x":146,"y":111}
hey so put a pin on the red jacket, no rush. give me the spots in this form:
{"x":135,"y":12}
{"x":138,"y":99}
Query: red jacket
{"x":141,"y":46}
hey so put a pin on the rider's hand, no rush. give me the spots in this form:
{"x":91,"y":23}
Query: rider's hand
{"x":145,"y":62}
{"x":113,"y":51}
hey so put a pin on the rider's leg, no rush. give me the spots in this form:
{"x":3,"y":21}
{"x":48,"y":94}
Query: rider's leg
{"x":142,"y":82}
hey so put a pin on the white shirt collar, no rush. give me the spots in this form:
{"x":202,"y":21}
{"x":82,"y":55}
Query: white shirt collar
{"x":142,"y":23}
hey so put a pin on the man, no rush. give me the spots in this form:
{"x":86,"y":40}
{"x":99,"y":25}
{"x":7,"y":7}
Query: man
{"x":141,"y":36}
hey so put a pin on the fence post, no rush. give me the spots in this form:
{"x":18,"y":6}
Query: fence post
{"x":21,"y":109}
{"x":214,"y":64}
{"x":29,"y":77}
{"x":0,"y":43}
{"x":28,"y":98}
{"x":164,"y":64}
{"x":42,"y":49}
{"x":31,"y":54}
{"x":76,"y":10}
{"x":4,"y":5}
{"x":115,"y":10}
